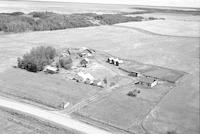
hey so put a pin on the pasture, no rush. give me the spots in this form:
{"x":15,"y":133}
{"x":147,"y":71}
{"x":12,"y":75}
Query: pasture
{"x":43,"y":89}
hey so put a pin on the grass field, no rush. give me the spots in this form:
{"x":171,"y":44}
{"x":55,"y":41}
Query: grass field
{"x":125,"y":112}
{"x":15,"y":123}
{"x":168,"y":27}
{"x":180,"y":107}
{"x":118,"y":110}
{"x":43,"y":89}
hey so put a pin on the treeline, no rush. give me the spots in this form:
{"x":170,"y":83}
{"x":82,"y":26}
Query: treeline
{"x":37,"y":58}
{"x":41,"y":21}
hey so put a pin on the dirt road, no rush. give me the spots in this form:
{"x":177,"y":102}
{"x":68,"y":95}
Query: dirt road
{"x":50,"y":116}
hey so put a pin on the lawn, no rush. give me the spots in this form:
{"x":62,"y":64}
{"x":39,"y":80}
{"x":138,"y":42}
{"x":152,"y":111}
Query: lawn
{"x":43,"y":89}
{"x":15,"y":123}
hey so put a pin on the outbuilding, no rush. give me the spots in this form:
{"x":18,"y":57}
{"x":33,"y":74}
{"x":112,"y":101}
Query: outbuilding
{"x":147,"y":82}
{"x":131,"y":71}
{"x":50,"y":69}
{"x":84,"y":62}
{"x":114,"y":61}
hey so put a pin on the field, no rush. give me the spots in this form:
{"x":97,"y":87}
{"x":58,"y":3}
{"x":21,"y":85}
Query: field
{"x":125,"y":112}
{"x":167,"y":43}
{"x":12,"y":122}
{"x":168,"y":27}
{"x":27,"y":6}
{"x":42,"y":89}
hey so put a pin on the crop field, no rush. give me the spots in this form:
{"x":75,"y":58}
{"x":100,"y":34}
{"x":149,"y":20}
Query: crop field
{"x":43,"y":89}
{"x":15,"y":123}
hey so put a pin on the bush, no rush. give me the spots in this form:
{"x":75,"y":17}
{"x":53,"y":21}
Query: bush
{"x":37,"y":58}
{"x":66,"y":62}
{"x":14,"y":13}
{"x":42,"y":15}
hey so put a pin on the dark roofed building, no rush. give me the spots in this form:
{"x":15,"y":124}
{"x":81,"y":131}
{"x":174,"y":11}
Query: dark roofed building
{"x":148,"y":82}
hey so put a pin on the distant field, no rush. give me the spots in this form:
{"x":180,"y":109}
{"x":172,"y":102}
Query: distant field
{"x":62,"y":7}
{"x":15,"y":123}
{"x":168,"y":27}
{"x":42,"y":89}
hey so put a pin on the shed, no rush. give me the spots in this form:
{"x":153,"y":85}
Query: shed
{"x":50,"y":69}
{"x":131,"y":71}
{"x":114,"y":61}
{"x":84,"y":62}
{"x":148,"y":82}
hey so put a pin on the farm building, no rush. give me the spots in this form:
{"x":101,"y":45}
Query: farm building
{"x":147,"y":82}
{"x":84,"y":62}
{"x":98,"y":83}
{"x":114,"y":61}
{"x":86,"y":52}
{"x":50,"y":69}
{"x":65,"y":53}
{"x":131,"y":72}
{"x":87,"y":78}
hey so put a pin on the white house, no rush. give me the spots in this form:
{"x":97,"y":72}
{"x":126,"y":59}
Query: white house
{"x":86,"y":77}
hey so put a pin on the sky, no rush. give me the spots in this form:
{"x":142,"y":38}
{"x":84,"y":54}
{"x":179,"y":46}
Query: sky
{"x":176,"y":3}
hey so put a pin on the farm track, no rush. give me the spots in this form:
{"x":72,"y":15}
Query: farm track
{"x":152,"y":33}
{"x":98,"y":96}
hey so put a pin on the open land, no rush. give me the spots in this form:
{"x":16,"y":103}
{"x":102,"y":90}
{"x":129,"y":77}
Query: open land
{"x":158,"y":110}
{"x":18,"y":123}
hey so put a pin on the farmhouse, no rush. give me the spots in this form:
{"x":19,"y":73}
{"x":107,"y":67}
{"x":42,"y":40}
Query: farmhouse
{"x":147,"y":82}
{"x":87,"y":78}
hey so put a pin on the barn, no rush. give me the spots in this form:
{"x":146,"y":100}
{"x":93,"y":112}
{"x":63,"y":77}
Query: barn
{"x":147,"y":82}
{"x":131,"y":71}
{"x":84,"y":62}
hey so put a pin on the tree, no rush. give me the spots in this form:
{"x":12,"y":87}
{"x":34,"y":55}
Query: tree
{"x":66,"y":62}
{"x":37,"y":58}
